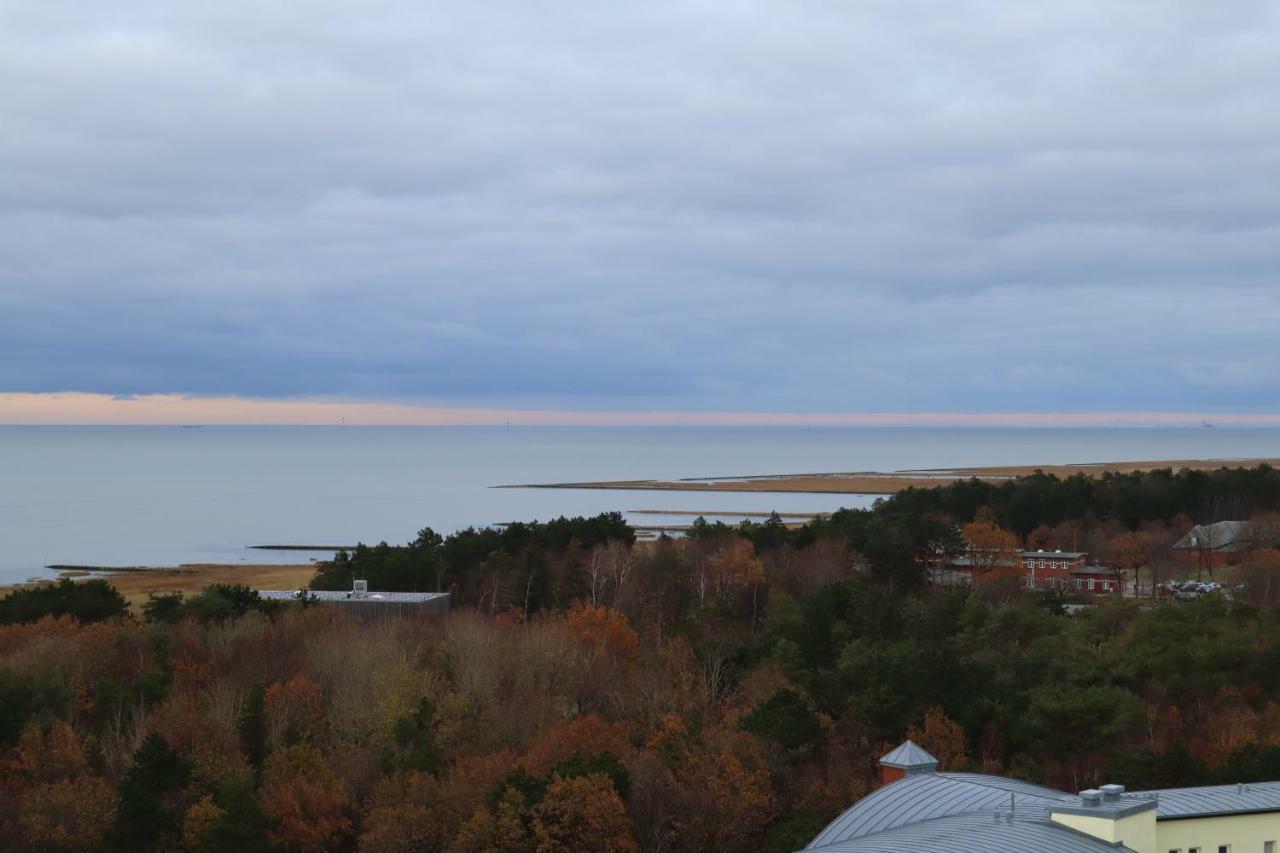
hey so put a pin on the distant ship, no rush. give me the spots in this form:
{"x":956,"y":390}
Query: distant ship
{"x":1206,"y":425}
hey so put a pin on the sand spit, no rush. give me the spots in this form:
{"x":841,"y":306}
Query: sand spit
{"x":887,"y":483}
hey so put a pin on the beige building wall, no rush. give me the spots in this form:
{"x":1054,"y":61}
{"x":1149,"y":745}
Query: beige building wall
{"x":1242,"y":833}
{"x":1137,"y":832}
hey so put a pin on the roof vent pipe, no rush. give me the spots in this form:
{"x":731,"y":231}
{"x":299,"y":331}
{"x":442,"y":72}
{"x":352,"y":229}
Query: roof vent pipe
{"x":1091,"y":798}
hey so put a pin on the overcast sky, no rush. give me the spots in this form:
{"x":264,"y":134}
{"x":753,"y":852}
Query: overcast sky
{"x":695,"y":206}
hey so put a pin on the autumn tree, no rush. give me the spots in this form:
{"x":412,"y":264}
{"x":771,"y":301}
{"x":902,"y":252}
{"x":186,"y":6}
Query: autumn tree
{"x":587,"y":737}
{"x":1260,"y":571}
{"x":501,"y":829}
{"x":941,"y":736}
{"x":293,"y":709}
{"x":67,"y":815}
{"x":736,"y":567}
{"x":1130,"y":551}
{"x":582,"y":814}
{"x":717,"y":795}
{"x":991,"y":547}
{"x":60,"y":804}
{"x":603,"y":634}
{"x":310,"y":805}
{"x":404,"y":816}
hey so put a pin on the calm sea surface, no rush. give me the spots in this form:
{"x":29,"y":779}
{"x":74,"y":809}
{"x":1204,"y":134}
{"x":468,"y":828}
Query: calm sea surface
{"x":165,"y":495}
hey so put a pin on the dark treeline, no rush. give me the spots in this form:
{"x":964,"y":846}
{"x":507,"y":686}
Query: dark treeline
{"x":1024,"y":504}
{"x":534,"y":565}
{"x":86,"y":601}
{"x":538,"y":566}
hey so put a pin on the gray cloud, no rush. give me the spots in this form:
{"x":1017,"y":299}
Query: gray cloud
{"x":709,"y":205}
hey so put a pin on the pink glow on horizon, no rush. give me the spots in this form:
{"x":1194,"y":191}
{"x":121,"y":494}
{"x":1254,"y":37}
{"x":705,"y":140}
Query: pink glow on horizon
{"x":74,"y":408}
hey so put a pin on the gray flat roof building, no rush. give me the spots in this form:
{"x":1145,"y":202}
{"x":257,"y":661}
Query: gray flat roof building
{"x":368,"y":604}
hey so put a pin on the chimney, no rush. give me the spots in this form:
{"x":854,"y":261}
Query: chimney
{"x":1091,"y":798}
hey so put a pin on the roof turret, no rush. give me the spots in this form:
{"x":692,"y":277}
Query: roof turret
{"x":910,"y":758}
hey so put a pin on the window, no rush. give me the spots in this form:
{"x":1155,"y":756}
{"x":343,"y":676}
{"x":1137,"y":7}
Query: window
{"x":1090,"y":584}
{"x":1268,"y":847}
{"x":1224,"y":848}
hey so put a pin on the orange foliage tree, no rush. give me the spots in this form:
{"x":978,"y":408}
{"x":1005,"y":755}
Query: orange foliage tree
{"x":583,"y":813}
{"x":736,"y":567}
{"x":991,"y":547}
{"x":293,"y":709}
{"x":588,"y":737}
{"x":310,"y":804}
{"x":603,"y":633}
{"x":404,"y":815}
{"x":717,"y":795}
{"x":67,"y":815}
{"x":943,"y":737}
{"x":60,"y":805}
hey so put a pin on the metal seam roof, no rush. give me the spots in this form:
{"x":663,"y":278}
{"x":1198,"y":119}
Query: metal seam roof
{"x":976,"y":832}
{"x":336,"y":595}
{"x":908,"y":754}
{"x":1215,"y":799}
{"x":927,"y":796}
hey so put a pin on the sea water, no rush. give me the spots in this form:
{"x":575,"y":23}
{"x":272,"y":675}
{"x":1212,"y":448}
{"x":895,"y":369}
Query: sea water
{"x":162,"y":496}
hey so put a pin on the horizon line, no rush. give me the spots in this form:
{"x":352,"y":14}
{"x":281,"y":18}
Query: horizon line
{"x":92,"y":409}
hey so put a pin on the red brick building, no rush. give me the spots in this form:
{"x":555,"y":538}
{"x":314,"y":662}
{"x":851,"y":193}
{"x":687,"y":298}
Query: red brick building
{"x":1068,"y":571}
{"x":1210,"y":546}
{"x":1051,"y":569}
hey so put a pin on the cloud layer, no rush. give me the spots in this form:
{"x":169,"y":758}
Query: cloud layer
{"x":701,"y":207}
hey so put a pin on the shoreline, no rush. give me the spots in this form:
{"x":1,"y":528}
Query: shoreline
{"x":891,"y":482}
{"x":138,"y":583}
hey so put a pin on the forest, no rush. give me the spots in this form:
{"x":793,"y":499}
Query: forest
{"x":729,"y":689}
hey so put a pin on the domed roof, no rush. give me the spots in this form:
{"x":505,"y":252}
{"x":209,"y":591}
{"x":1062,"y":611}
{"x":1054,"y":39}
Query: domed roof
{"x":927,"y":796}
